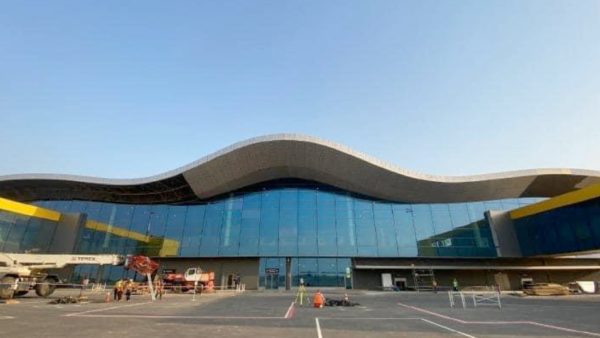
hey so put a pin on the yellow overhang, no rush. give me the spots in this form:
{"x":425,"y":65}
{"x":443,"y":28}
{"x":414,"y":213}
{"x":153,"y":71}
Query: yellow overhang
{"x":169,"y":248}
{"x":569,"y":198}
{"x":103,"y":227}
{"x":28,"y":210}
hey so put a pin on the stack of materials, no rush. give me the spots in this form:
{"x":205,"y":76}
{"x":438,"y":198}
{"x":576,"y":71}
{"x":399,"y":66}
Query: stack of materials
{"x":546,"y":289}
{"x":342,"y":302}
{"x":69,"y":300}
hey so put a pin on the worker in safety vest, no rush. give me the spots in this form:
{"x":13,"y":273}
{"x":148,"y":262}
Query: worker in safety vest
{"x":455,"y":285}
{"x":120,"y":287}
{"x":318,"y":299}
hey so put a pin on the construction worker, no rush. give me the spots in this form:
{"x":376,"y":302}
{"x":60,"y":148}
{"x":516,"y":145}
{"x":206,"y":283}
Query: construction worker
{"x":128,"y":289}
{"x":455,"y":285}
{"x":120,"y":286}
{"x":115,"y":292}
{"x":435,"y":286}
{"x":318,"y":300}
{"x":158,"y":287}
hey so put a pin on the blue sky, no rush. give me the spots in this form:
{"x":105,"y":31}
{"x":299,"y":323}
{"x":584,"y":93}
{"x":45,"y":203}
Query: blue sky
{"x":135,"y":88}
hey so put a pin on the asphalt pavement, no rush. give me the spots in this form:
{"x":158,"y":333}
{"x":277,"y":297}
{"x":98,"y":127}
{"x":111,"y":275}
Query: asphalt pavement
{"x":274,"y":314}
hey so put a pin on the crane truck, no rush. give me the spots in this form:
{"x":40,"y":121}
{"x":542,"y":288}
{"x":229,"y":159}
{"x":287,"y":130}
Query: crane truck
{"x":20,"y":273}
{"x":193,"y":278}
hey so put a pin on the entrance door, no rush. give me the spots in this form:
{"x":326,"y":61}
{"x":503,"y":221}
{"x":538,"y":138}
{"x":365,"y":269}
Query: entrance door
{"x":272,"y":281}
{"x":400,"y":283}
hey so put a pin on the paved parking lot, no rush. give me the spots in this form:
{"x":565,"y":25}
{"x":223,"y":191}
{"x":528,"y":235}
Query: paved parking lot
{"x":271,"y":314}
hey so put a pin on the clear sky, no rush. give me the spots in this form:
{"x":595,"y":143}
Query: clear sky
{"x":126,"y":89}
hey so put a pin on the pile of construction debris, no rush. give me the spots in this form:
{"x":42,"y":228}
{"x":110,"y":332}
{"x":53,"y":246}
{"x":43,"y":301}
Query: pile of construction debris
{"x":546,"y":289}
{"x":342,"y":302}
{"x":69,"y":300}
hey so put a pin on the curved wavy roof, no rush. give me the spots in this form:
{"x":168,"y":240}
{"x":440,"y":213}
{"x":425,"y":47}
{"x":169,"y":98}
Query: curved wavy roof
{"x":273,"y":157}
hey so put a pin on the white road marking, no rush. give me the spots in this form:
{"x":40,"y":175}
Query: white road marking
{"x":447,"y":328}
{"x":170,"y":317}
{"x":397,"y":318}
{"x":289,"y":312}
{"x":370,"y":318}
{"x":7,"y":317}
{"x":104,"y":309}
{"x":526,"y":322}
{"x":319,"y":334}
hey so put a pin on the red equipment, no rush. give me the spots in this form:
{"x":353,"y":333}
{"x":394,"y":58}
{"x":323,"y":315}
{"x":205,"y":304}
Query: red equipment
{"x":145,"y":266}
{"x":141,"y":264}
{"x":193,"y":277}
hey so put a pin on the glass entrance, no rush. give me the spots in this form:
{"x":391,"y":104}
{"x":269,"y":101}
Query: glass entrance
{"x":271,"y":281}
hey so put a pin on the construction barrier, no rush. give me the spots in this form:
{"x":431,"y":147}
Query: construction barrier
{"x":479,"y":298}
{"x":486,"y":298}
{"x":452,"y":294}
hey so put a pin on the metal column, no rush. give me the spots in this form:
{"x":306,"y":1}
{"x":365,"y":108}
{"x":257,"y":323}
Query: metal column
{"x":288,"y":273}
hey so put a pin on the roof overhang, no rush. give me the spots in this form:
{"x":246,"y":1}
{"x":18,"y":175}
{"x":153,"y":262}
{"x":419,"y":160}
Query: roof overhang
{"x":296,"y":156}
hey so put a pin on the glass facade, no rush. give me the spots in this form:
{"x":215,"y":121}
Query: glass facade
{"x":320,"y":227}
{"x":313,"y":271}
{"x":313,"y":221}
{"x":23,"y":233}
{"x":562,"y":230}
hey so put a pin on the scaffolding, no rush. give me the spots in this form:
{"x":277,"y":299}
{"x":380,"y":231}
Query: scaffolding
{"x":423,"y":279}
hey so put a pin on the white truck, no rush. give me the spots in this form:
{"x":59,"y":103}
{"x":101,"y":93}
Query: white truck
{"x":19,"y":273}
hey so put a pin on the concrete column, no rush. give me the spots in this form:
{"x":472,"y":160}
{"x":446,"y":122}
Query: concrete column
{"x":65,"y":236}
{"x":288,"y":273}
{"x":503,"y":233}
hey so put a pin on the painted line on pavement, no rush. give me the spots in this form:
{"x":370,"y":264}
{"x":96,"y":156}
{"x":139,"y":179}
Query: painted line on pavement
{"x":103,"y":309}
{"x":447,"y":328}
{"x":172,"y":316}
{"x":524,"y":322}
{"x":370,"y":318}
{"x":399,"y":318}
{"x":290,"y":312}
{"x":319,"y":334}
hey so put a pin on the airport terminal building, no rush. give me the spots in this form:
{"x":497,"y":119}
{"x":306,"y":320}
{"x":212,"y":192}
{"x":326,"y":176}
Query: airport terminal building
{"x":279,"y":208}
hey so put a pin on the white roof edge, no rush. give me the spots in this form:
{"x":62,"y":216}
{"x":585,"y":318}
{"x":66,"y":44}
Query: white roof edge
{"x":310,"y":139}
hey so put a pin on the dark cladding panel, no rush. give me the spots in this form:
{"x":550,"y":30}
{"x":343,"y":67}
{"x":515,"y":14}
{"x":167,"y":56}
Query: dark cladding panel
{"x":65,"y":235}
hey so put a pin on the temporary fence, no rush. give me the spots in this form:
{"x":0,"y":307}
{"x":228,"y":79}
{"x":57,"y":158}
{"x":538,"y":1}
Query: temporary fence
{"x":480,"y":298}
{"x":486,"y":298}
{"x":452,"y":294}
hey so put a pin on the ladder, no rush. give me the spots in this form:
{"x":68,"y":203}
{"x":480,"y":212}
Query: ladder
{"x":423,"y":279}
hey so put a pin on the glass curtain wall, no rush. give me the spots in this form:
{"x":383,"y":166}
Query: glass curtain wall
{"x":312,"y":270}
{"x":25,"y":234}
{"x":563,"y":230}
{"x":315,"y":221}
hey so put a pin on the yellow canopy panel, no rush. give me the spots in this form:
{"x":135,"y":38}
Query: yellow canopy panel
{"x":569,"y":198}
{"x":28,"y":210}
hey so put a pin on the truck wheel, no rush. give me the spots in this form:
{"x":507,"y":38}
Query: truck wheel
{"x":47,"y":287}
{"x":21,"y":293}
{"x":6,"y":287}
